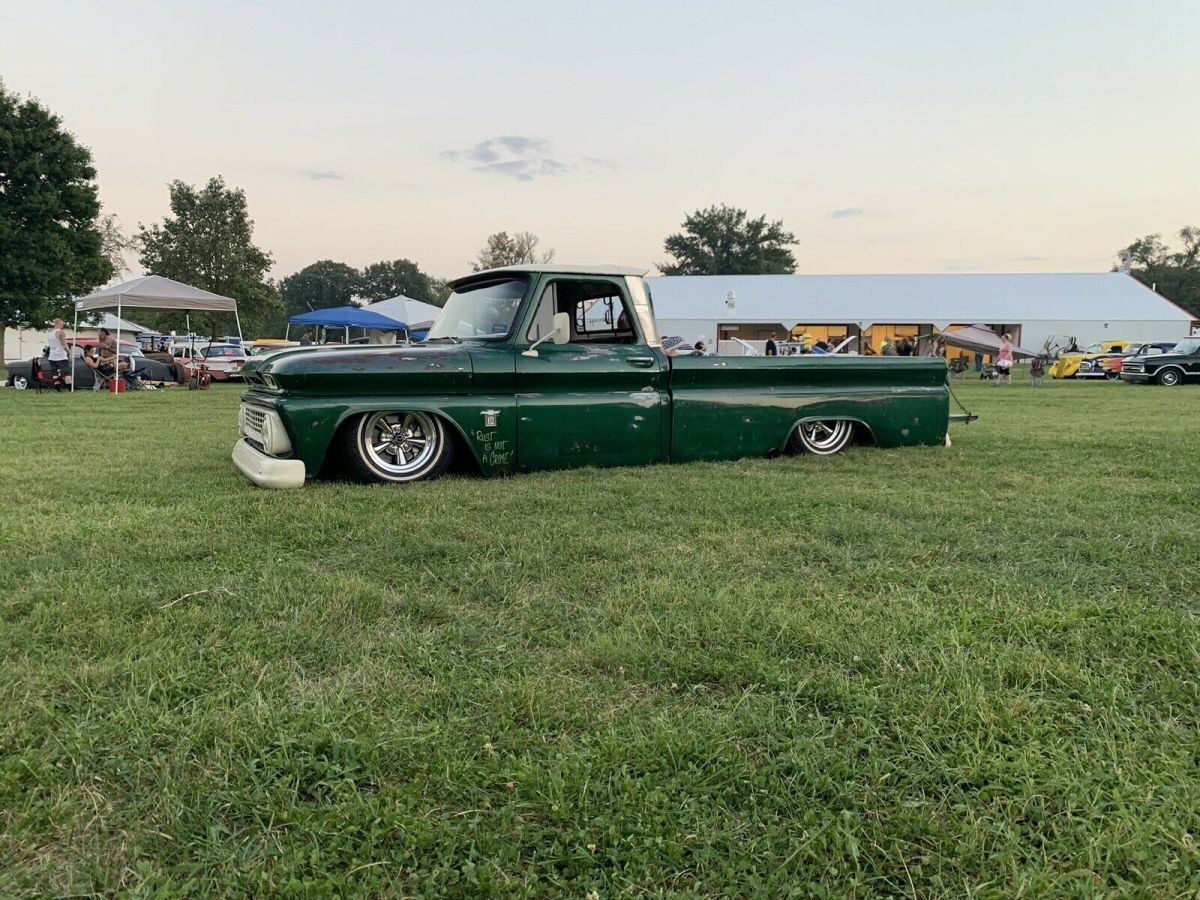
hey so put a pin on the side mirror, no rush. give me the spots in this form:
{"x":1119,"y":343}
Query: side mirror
{"x":559,"y":334}
{"x":562,"y":329}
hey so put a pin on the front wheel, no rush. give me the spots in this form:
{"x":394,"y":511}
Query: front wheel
{"x":20,"y":382}
{"x":823,"y":438}
{"x":1169,"y":377}
{"x":398,"y":447}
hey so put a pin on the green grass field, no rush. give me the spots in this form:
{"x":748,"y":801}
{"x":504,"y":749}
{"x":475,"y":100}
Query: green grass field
{"x":930,"y":672}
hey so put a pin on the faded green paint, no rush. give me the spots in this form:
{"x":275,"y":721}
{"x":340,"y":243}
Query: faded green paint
{"x":597,"y":404}
{"x":731,"y":407}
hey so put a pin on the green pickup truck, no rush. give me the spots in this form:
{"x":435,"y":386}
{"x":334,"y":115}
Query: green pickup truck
{"x":544,"y":367}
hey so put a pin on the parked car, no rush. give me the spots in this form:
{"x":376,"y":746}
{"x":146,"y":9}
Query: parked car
{"x":1108,"y":365}
{"x":269,"y":345}
{"x":20,"y":372}
{"x":224,"y":361}
{"x":1068,"y":363}
{"x":543,"y":367}
{"x":1181,"y":364}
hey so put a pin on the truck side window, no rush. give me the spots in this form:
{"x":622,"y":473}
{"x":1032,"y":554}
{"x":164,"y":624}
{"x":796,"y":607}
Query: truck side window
{"x":598,"y":310}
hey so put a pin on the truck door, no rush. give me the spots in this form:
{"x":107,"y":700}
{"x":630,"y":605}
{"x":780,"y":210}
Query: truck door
{"x":601,"y":399}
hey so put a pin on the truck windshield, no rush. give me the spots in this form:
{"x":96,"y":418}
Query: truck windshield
{"x":482,"y":310}
{"x":1187,"y":347}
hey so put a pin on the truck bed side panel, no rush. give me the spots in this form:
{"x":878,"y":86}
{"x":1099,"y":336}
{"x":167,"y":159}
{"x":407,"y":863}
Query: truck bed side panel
{"x":732,"y":407}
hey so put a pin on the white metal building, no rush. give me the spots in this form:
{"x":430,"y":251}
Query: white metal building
{"x":1033,"y":308}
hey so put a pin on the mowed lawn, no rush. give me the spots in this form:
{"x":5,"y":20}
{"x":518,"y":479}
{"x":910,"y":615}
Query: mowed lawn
{"x":930,"y":672}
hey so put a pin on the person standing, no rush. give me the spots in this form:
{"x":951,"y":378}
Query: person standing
{"x":1004,"y":361}
{"x":772,"y":347}
{"x":59,"y":355}
{"x":307,"y":338}
{"x":889,"y":349}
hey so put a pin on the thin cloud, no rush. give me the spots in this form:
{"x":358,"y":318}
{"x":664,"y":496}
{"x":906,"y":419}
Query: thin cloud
{"x":517,"y":156}
{"x":323,"y":175}
{"x":847,"y":212}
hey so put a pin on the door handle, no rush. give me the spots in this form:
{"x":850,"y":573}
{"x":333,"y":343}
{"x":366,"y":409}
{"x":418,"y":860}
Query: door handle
{"x":642,"y":362}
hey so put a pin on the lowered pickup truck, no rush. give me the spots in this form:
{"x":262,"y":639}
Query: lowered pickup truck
{"x":542,"y":367}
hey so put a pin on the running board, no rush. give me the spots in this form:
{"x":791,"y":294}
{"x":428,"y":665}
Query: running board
{"x":965,"y":418}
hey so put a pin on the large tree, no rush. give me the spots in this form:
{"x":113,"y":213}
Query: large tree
{"x":207,"y":241}
{"x":503,"y":249}
{"x":50,"y":242}
{"x":722,"y":240}
{"x":320,"y":285}
{"x":1174,"y":274}
{"x":390,"y":278}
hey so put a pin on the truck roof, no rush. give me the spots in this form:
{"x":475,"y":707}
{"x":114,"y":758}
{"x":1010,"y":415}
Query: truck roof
{"x":560,"y":269}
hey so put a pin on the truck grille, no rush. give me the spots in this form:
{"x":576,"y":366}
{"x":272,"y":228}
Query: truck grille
{"x":253,"y":420}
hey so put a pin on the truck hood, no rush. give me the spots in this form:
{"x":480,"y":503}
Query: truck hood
{"x":365,"y":369}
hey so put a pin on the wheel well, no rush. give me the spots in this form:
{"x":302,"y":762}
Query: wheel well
{"x":464,"y":457}
{"x":863,"y":436}
{"x":1178,"y":370}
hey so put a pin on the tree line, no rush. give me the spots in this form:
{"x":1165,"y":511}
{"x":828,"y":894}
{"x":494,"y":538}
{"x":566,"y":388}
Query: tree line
{"x":58,"y":244}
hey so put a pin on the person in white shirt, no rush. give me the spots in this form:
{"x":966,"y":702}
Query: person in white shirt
{"x":59,"y":355}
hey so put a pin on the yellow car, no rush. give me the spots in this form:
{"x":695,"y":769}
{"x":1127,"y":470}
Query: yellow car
{"x":1068,"y":363}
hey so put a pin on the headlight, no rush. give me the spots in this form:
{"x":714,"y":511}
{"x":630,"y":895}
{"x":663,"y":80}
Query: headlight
{"x":270,"y":382}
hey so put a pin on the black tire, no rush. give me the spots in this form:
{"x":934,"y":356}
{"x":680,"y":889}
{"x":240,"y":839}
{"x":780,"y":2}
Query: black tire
{"x":378,"y":445}
{"x":821,"y":438}
{"x":1112,"y":376}
{"x":1169,"y":377}
{"x":20,"y":382}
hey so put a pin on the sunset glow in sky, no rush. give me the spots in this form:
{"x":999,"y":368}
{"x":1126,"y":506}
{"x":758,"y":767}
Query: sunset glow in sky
{"x":891,"y":137}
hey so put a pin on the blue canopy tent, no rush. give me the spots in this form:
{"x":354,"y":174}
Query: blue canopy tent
{"x":347,"y":317}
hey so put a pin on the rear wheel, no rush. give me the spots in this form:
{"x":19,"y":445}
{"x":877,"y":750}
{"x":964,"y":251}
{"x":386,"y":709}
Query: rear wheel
{"x":398,"y":446}
{"x":824,"y":438}
{"x":1169,"y":377}
{"x":20,"y":382}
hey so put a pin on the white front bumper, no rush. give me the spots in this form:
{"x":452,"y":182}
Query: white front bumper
{"x":267,"y":471}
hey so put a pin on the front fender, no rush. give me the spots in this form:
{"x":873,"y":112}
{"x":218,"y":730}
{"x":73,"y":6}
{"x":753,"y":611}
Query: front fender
{"x":313,"y":422}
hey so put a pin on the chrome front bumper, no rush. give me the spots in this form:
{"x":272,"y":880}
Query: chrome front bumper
{"x":267,"y":471}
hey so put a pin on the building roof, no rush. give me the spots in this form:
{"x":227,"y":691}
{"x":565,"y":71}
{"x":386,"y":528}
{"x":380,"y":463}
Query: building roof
{"x":933,"y":299}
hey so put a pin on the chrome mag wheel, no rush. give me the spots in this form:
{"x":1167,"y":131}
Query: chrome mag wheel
{"x":825,"y":437}
{"x":400,"y":446}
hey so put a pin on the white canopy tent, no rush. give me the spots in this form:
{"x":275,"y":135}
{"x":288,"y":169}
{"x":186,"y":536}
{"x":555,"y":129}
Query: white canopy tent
{"x":405,"y":309}
{"x":153,"y":292}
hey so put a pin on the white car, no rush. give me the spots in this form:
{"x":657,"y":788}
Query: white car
{"x":224,"y":361}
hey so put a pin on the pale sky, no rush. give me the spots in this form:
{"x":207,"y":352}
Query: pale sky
{"x":889,"y":136}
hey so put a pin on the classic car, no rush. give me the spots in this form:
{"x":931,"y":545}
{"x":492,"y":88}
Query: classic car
{"x":1181,"y":364}
{"x":20,"y":371}
{"x":1108,"y":365}
{"x":1068,"y":363}
{"x":269,"y":345}
{"x":224,"y":361}
{"x":544,"y":367}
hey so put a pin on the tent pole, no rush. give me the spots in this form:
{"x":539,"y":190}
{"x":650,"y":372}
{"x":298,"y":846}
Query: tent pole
{"x":117,"y":361}
{"x":74,"y":341}
{"x":241,"y":340}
